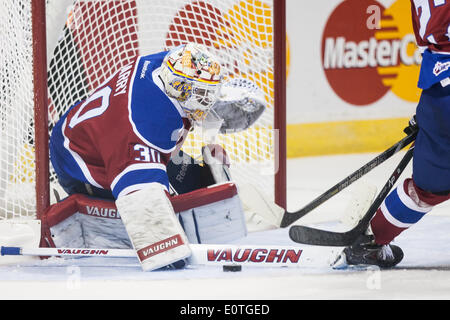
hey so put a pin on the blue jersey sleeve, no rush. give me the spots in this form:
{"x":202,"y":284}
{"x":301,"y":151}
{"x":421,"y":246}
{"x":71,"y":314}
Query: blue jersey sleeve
{"x":154,"y":116}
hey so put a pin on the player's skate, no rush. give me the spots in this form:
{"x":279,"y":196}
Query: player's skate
{"x":364,"y":251}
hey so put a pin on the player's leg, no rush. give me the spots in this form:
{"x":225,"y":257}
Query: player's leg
{"x":416,"y":196}
{"x":430,"y":183}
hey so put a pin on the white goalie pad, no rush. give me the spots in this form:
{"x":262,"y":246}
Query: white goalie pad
{"x":218,"y":219}
{"x":153,"y":228}
{"x":210,"y":215}
{"x":80,"y":221}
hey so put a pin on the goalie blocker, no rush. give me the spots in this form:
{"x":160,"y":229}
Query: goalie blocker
{"x":160,"y":236}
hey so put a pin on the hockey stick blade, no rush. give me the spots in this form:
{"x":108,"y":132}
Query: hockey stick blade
{"x":312,"y":236}
{"x":291,"y":217}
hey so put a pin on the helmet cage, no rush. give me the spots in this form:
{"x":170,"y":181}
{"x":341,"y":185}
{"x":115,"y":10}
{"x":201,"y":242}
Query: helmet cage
{"x":193,"y":94}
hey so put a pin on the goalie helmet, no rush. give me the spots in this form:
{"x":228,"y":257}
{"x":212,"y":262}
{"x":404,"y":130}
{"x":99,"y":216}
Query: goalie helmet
{"x":193,"y":76}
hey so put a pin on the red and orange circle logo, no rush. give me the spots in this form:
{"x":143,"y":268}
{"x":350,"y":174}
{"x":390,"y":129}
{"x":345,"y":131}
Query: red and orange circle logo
{"x":242,"y":33}
{"x":368,"y":50}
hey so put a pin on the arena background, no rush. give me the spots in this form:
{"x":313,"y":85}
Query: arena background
{"x":352,"y":75}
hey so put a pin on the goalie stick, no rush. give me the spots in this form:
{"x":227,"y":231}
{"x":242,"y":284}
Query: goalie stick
{"x":290,"y":217}
{"x":253,"y":255}
{"x":312,"y":236}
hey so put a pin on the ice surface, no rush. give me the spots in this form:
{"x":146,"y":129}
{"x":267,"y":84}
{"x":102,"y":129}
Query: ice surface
{"x":423,"y":274}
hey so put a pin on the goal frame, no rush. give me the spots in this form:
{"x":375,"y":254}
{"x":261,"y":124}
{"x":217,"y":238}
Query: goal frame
{"x":41,"y":103}
{"x":41,"y":128}
{"x":279,"y":22}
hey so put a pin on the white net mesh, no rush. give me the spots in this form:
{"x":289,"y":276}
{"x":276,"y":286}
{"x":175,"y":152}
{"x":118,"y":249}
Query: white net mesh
{"x":16,"y":111}
{"x":89,"y":40}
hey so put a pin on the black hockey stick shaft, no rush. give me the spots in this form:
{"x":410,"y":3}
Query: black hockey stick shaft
{"x":290,"y":217}
{"x":308,"y":235}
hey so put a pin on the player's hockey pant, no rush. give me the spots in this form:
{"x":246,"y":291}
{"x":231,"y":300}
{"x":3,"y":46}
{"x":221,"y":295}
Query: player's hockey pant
{"x":431,"y":160}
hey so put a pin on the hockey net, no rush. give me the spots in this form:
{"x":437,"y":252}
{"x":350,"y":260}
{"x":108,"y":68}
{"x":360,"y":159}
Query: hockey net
{"x":87,"y":41}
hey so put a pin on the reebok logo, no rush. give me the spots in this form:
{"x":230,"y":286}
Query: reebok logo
{"x":144,"y":69}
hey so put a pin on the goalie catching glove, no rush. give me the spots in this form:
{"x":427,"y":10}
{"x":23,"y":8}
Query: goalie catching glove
{"x":241,"y":102}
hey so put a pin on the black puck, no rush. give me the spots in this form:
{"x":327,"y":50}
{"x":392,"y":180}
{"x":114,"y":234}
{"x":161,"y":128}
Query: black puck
{"x":232,"y":268}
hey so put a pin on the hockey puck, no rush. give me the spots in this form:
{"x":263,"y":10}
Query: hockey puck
{"x":232,"y":268}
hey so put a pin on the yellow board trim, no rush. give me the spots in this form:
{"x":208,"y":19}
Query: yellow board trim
{"x":343,"y":137}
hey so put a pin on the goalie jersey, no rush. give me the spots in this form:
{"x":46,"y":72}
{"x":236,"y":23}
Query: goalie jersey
{"x":122,"y":136}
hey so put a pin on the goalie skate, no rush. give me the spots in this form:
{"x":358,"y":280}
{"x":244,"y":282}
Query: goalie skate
{"x":365,"y":252}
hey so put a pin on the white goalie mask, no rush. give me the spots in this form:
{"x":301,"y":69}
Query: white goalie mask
{"x":193,"y":76}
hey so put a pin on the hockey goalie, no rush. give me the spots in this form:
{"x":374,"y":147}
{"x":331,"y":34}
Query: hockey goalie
{"x":118,"y":156}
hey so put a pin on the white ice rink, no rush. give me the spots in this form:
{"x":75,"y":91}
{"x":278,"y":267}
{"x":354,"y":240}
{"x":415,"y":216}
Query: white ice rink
{"x":423,"y":274}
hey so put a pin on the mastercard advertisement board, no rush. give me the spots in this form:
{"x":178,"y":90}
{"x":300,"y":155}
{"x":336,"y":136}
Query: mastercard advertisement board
{"x":352,"y":65}
{"x":353,"y":72}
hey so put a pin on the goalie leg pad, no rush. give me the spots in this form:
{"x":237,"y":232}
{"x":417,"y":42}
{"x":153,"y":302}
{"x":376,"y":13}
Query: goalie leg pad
{"x":80,"y":221}
{"x":153,"y":228}
{"x":219,"y":219}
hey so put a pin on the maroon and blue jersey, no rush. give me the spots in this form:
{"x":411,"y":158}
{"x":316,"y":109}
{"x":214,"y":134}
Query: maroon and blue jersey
{"x":431,"y":24}
{"x":122,"y":136}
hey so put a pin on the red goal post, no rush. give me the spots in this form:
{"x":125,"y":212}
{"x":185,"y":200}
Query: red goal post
{"x":41,"y":132}
{"x":77,"y":44}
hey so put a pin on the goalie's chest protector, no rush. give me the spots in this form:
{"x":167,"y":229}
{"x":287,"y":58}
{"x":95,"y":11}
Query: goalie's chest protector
{"x":127,"y":121}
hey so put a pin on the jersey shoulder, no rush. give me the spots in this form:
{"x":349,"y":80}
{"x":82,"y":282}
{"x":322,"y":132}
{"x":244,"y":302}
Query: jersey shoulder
{"x":156,"y":118}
